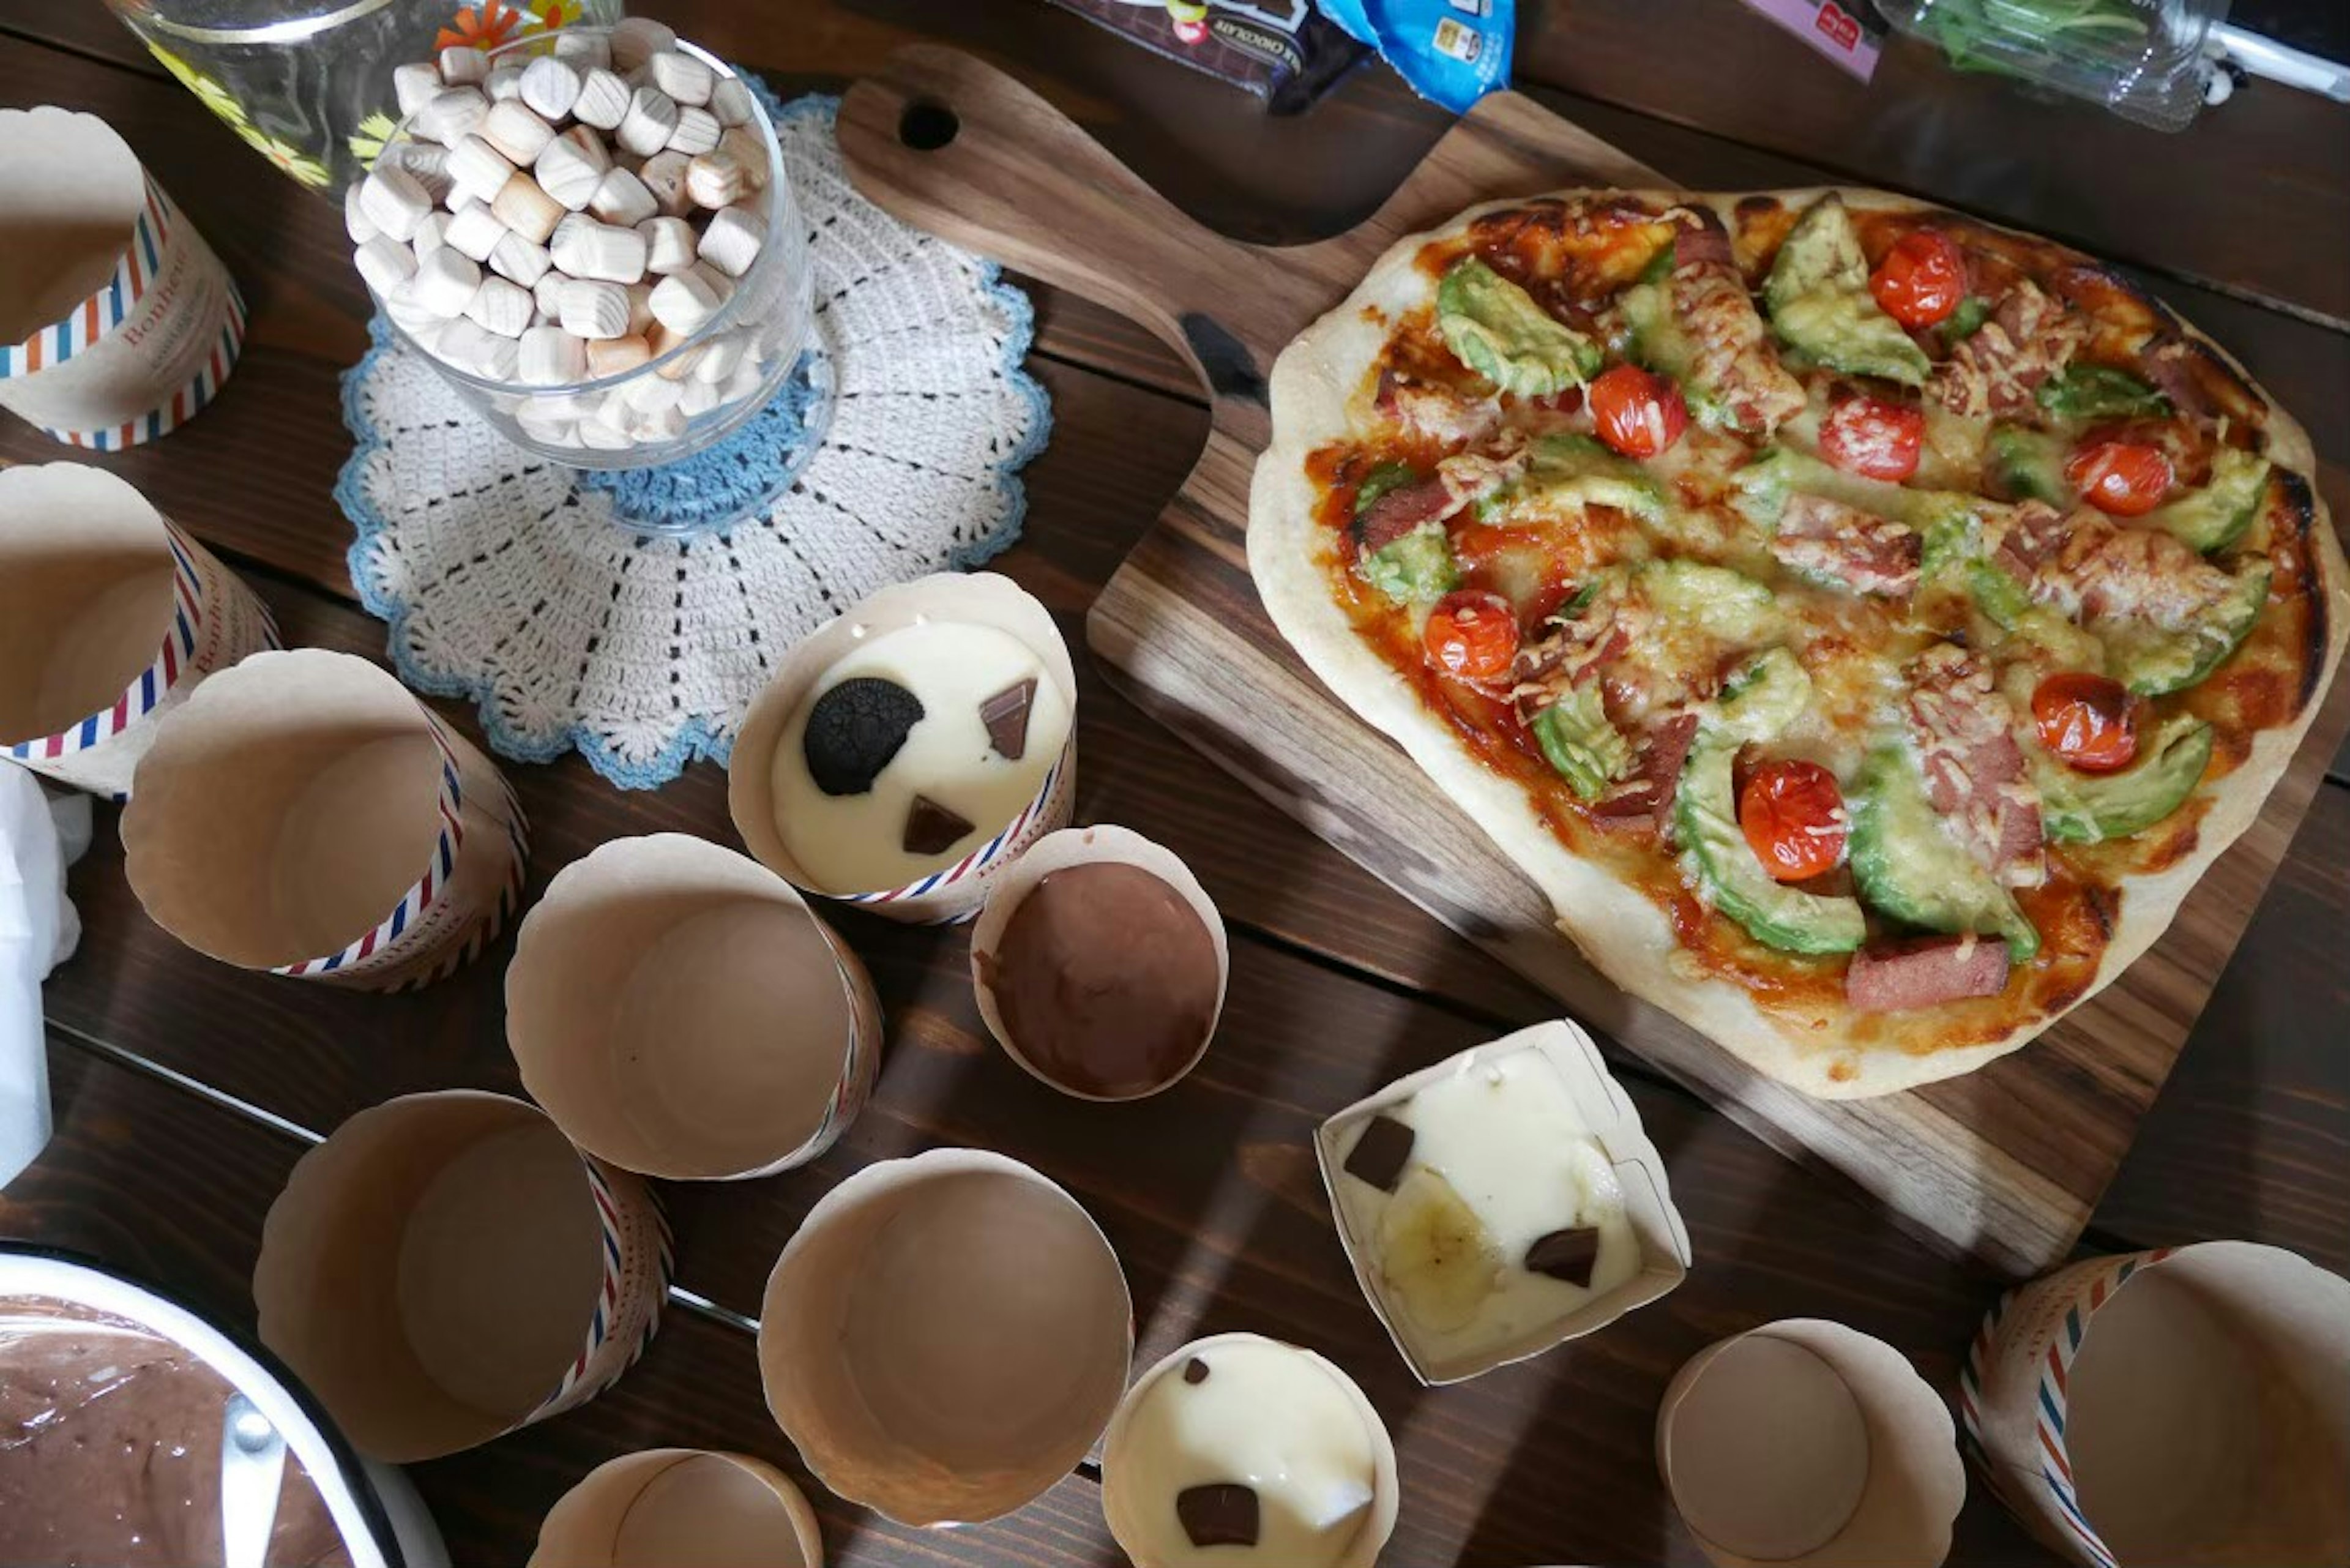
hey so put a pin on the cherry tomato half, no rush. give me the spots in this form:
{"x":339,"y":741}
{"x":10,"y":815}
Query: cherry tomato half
{"x":1873,"y":438}
{"x":1637,"y":414}
{"x":2087,"y":720}
{"x":1472,"y":636}
{"x":1921,"y":279}
{"x":1793,"y":817}
{"x":2126,"y":478}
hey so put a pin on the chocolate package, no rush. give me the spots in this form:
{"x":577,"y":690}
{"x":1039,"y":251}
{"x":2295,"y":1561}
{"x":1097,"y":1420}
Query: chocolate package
{"x":1284,"y":51}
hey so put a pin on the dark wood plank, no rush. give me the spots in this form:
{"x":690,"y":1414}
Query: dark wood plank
{"x":151,"y":1179}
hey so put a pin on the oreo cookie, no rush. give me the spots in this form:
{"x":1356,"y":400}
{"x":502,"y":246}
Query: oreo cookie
{"x":854,"y":730}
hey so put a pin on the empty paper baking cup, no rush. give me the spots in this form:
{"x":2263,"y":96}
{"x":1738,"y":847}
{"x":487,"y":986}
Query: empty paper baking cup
{"x":2187,"y":1404}
{"x":680,"y":1011}
{"x":1318,"y":1496}
{"x":667,"y":1507}
{"x":447,"y":1267}
{"x":109,"y":616}
{"x":1608,"y":1116}
{"x":945,"y":1336}
{"x":303,"y":814}
{"x":117,"y":322}
{"x":954,"y":891}
{"x":1804,"y":1442}
{"x":1109,"y":990}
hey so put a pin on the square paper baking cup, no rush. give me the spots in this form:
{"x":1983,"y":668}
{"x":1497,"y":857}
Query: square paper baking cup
{"x":1611,"y":1117}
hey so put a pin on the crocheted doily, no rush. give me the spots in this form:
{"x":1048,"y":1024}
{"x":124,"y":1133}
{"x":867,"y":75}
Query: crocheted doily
{"x":514,"y":581}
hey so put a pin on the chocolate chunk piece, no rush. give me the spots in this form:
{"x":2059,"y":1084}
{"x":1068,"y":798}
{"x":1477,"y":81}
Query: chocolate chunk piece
{"x":1567,"y":1255}
{"x":1005,"y":714}
{"x":854,"y":730}
{"x":1378,"y":1156}
{"x":1195,"y":1371}
{"x":1222,"y":1513}
{"x":931,"y":828}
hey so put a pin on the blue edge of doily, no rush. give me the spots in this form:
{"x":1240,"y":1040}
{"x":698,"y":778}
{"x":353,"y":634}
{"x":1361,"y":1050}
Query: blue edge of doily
{"x":696,"y":740}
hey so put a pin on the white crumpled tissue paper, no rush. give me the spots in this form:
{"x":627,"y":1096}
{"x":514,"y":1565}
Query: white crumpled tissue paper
{"x":39,"y":837}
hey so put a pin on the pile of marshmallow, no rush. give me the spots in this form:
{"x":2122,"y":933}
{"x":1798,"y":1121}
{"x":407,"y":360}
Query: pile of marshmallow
{"x":570,"y":220}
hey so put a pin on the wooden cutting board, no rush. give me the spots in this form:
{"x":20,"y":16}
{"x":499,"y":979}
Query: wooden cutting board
{"x":2005,"y":1164}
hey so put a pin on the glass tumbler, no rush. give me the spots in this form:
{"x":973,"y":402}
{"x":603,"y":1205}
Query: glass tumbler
{"x":307,"y":83}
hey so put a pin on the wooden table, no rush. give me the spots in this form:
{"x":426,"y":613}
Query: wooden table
{"x":185,"y":1090}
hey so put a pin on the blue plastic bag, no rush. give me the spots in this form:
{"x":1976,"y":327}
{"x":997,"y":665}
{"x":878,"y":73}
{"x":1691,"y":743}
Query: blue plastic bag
{"x":1451,"y":52}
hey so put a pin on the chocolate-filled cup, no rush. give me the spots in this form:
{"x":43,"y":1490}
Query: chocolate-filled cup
{"x":448,"y":1267}
{"x":304,"y":814}
{"x":109,"y":616}
{"x":945,"y":1336}
{"x":2185,"y":1405}
{"x":773,"y":737}
{"x":1099,"y":964}
{"x":680,"y":1011}
{"x":666,"y":1507}
{"x":1244,"y":1450}
{"x":1804,"y":1442}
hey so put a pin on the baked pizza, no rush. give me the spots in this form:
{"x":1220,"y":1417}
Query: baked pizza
{"x":1863,"y":622}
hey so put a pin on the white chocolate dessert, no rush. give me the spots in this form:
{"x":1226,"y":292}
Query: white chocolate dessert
{"x":914,"y":749}
{"x":1240,"y":1450}
{"x":1489,"y":1209}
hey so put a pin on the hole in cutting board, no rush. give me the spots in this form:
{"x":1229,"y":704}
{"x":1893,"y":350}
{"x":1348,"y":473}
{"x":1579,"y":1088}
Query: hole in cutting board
{"x":926,"y":126}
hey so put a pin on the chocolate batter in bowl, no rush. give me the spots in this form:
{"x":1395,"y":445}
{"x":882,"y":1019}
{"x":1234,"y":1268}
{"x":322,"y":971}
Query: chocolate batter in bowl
{"x":111,"y":1406}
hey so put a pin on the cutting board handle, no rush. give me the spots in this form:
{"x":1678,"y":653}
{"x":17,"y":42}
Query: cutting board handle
{"x":953,"y":145}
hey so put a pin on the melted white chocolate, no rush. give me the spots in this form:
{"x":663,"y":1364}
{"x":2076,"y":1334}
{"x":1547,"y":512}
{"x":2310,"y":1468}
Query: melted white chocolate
{"x":1268,"y":1416}
{"x":855,"y":843}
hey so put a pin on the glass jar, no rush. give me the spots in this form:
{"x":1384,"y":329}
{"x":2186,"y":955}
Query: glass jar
{"x":724,"y":373}
{"x":308,"y":82}
{"x":2144,"y":59}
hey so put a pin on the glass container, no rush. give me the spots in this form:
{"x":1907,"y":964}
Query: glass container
{"x":2145,"y":59}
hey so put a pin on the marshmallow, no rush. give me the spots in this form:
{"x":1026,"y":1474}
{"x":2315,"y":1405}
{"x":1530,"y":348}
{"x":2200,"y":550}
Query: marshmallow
{"x":697,"y":132}
{"x":670,"y":244}
{"x":685,"y":301}
{"x":408,"y":315}
{"x":636,"y":39}
{"x":415,"y":85}
{"x":715,"y":179}
{"x":749,"y":151}
{"x":464,"y":344}
{"x":570,"y":174}
{"x":665,"y":175}
{"x":547,"y":293}
{"x":431,"y":233}
{"x":356,"y":223}
{"x":652,"y":116}
{"x":515,"y":131}
{"x":395,"y":200}
{"x":525,"y":209}
{"x":501,"y":307}
{"x":550,"y":357}
{"x":427,"y":161}
{"x":640,"y":310}
{"x":720,"y":357}
{"x":385,"y":263}
{"x":546,"y":431}
{"x":744,"y":383}
{"x":445,"y":282}
{"x":584,"y":49}
{"x":600,"y":436}
{"x":595,"y":309}
{"x":731,"y":242}
{"x":650,"y":394}
{"x":478,"y":168}
{"x":476,"y":232}
{"x":661,"y":424}
{"x":453,"y":114}
{"x":699,"y":398}
{"x":665,"y":343}
{"x":603,"y":100}
{"x":503,"y":83}
{"x":550,"y":86}
{"x":730,"y":101}
{"x":615,"y":355}
{"x":500,"y":358}
{"x":522,"y":261}
{"x":585,"y":248}
{"x":463,"y":66}
{"x":683,"y":76}
{"x":622,"y":198}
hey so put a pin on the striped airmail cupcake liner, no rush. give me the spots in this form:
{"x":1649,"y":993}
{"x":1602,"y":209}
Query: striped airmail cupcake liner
{"x":138,"y":267}
{"x":215,"y":621}
{"x":185,"y":404}
{"x":954,"y":895}
{"x":2048,"y":1475}
{"x":476,"y":804}
{"x":638,"y":1261}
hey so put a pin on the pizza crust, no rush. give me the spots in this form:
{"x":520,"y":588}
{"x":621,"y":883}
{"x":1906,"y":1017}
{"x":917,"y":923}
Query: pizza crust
{"x":1316,"y":386}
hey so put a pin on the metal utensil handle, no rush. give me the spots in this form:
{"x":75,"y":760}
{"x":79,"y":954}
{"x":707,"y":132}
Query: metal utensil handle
{"x":253,"y":1462}
{"x":2282,"y":63}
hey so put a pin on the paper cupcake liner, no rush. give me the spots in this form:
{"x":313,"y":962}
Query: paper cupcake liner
{"x":149,"y":349}
{"x":215,"y":621}
{"x":640,"y":1260}
{"x":624,"y":1498}
{"x":954,"y":895}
